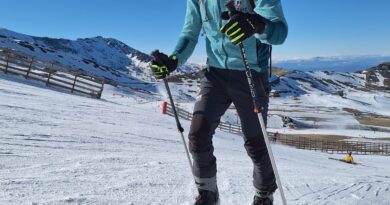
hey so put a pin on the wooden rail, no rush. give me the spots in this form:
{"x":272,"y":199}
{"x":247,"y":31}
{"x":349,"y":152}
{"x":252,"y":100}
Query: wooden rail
{"x":50,"y":73}
{"x":324,"y":145}
{"x":333,"y":146}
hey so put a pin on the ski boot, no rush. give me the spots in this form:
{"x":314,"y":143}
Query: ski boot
{"x":206,"y":197}
{"x":263,"y":198}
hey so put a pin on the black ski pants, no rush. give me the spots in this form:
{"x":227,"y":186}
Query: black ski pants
{"x":220,"y":88}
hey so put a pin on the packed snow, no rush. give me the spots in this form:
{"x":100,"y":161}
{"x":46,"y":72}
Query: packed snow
{"x":57,"y":148}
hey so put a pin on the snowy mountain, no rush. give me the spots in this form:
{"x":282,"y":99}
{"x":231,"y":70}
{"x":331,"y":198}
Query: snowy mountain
{"x":330,"y":82}
{"x":357,"y":99}
{"x":122,"y":64}
{"x":287,"y":83}
{"x":379,"y":76}
{"x":336,"y":63}
{"x":104,"y":57}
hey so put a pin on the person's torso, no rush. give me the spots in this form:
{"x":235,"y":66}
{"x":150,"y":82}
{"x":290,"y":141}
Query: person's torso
{"x":221,"y":52}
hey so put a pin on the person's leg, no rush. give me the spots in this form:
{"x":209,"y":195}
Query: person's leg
{"x":211,"y":104}
{"x":263,"y":175}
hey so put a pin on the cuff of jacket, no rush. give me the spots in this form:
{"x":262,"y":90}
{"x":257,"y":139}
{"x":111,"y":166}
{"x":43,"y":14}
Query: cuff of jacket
{"x":267,"y":34}
{"x":275,"y":34}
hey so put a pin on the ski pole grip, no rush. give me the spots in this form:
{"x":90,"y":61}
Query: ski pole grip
{"x":155,"y":55}
{"x":231,"y":7}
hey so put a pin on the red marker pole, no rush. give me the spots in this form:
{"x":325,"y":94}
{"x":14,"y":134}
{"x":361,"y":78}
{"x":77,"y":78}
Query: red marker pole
{"x":165,"y":107}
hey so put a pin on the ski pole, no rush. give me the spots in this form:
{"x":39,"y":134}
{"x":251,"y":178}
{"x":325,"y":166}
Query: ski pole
{"x":179,"y":127}
{"x":178,"y":124}
{"x":257,"y":106}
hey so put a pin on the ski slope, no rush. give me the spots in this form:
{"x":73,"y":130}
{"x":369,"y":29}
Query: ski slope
{"x":57,"y":148}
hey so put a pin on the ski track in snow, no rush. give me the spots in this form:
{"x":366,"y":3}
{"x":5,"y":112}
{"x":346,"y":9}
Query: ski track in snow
{"x":57,"y":148}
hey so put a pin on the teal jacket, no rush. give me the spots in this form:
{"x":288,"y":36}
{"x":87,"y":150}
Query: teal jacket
{"x":220,"y":51}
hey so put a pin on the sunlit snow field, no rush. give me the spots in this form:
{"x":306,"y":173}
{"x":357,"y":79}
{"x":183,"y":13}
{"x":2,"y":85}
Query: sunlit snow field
{"x":57,"y":148}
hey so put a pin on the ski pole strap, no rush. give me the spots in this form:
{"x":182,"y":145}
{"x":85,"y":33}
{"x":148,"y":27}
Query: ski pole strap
{"x":252,"y":5}
{"x":231,"y":7}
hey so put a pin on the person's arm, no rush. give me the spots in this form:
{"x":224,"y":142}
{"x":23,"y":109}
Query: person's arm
{"x":276,"y":30}
{"x":190,"y":33}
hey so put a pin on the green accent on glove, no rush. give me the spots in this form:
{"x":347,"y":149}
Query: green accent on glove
{"x":159,"y":72}
{"x":242,"y":26}
{"x":162,"y":65}
{"x":237,"y":40}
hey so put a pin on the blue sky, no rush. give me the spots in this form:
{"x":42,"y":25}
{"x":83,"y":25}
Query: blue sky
{"x":317,"y":27}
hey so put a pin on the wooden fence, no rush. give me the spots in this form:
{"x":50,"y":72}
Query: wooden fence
{"x":183,"y":114}
{"x":325,"y":145}
{"x":336,"y":146}
{"x":52,"y":74}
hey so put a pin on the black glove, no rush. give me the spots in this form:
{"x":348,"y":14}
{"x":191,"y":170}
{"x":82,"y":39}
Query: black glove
{"x":162,"y":65}
{"x":242,"y":26}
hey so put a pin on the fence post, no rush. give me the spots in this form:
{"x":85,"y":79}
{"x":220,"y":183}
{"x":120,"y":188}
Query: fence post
{"x":365,"y":148}
{"x":332,"y":147}
{"x":50,"y":73}
{"x":101,"y":90}
{"x":8,"y":56}
{"x":299,"y":143}
{"x":74,"y":83}
{"x":311,"y":145}
{"x":29,"y":67}
{"x":324,"y":146}
{"x":48,"y":79}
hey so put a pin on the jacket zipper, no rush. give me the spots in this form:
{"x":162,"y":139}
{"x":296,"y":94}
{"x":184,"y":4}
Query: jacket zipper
{"x":223,"y":37}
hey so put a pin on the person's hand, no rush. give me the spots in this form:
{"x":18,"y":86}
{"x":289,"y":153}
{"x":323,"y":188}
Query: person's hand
{"x":162,"y":65}
{"x":241,"y":26}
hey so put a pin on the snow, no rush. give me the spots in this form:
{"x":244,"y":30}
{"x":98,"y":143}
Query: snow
{"x":381,"y":79}
{"x":57,"y":148}
{"x":323,"y":114}
{"x":329,"y":115}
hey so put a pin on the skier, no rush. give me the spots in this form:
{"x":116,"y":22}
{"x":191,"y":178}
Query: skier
{"x":257,"y":25}
{"x":348,"y":158}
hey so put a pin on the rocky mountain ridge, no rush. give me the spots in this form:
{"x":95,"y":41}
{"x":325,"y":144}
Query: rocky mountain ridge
{"x":121,"y":64}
